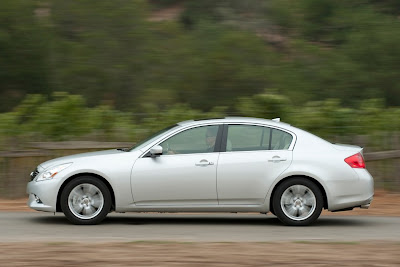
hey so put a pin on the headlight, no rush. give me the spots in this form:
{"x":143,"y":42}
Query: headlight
{"x":51,"y":172}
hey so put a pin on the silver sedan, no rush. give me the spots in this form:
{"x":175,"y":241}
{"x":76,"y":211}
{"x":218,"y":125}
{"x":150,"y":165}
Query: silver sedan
{"x":216,"y":165}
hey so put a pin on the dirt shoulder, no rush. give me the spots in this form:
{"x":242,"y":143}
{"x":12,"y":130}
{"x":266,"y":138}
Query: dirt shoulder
{"x":384,"y":204}
{"x":201,"y":254}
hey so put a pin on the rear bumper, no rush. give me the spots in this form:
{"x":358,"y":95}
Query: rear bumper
{"x":367,"y":203}
{"x":363,"y":205}
{"x":361,"y":196}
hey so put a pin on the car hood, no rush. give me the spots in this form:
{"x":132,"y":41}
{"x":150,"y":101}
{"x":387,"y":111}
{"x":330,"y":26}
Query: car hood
{"x":75,"y":157}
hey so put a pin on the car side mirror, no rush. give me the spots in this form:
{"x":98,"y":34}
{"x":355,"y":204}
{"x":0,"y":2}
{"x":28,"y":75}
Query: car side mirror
{"x":156,"y":151}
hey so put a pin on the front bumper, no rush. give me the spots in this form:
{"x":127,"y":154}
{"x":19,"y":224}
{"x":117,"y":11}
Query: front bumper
{"x":43,"y":195}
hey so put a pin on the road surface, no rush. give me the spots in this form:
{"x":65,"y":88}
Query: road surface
{"x":46,"y":227}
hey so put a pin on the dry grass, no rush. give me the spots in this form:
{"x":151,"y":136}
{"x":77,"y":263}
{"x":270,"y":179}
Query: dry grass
{"x":200,"y":254}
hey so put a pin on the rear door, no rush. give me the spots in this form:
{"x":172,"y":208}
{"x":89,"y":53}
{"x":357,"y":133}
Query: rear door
{"x":254,"y":157}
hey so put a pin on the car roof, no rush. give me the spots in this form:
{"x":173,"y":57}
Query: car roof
{"x":234,"y":120}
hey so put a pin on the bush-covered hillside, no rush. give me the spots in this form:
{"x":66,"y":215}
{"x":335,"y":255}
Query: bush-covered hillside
{"x":330,"y":66}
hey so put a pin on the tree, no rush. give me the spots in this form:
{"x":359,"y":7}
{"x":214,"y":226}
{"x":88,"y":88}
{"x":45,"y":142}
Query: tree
{"x":24,"y":63}
{"x":99,"y":49}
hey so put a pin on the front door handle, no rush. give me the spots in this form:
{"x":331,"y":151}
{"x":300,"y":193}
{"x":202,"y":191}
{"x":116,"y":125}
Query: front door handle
{"x":276,"y":159}
{"x":204,"y":162}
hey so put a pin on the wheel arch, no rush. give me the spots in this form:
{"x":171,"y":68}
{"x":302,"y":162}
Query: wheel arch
{"x":324,"y":195}
{"x":58,"y":206}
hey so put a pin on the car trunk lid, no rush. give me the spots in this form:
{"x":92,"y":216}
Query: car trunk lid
{"x":350,"y":148}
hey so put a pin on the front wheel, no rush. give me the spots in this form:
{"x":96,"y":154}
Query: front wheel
{"x":298,"y":201}
{"x":85,"y":200}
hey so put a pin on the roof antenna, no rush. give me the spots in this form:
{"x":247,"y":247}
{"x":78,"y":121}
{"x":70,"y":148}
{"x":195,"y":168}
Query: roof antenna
{"x":277,"y":119}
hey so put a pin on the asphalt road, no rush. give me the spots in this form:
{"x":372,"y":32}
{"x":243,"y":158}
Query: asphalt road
{"x":46,"y":227}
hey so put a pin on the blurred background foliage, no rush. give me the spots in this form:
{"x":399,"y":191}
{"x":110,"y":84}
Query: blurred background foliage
{"x":128,"y":68}
{"x":68,"y":117}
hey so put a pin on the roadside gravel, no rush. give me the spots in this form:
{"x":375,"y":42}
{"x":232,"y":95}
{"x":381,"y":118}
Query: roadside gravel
{"x":384,"y":204}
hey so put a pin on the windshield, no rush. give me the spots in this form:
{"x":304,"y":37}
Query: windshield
{"x":149,"y":139}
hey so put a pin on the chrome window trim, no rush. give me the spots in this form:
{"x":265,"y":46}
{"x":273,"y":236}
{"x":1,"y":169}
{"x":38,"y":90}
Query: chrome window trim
{"x":219,"y":123}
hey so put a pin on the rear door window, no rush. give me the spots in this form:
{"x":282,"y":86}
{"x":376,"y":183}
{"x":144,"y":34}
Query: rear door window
{"x":252,"y":137}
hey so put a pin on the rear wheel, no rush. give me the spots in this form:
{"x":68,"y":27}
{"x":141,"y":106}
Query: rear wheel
{"x":85,"y":200}
{"x":298,"y":201}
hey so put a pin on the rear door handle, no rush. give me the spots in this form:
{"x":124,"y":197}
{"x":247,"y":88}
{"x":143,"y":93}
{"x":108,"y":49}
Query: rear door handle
{"x":276,"y":159}
{"x":204,"y":162}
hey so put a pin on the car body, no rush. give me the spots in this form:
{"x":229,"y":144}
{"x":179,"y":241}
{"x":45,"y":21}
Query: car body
{"x":246,"y":165}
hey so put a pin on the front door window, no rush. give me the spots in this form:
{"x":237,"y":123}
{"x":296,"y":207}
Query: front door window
{"x":196,"y":140}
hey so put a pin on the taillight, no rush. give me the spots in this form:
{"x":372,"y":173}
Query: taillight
{"x":356,"y":161}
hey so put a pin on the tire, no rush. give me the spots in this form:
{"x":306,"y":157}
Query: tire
{"x":85,"y":200}
{"x":298,"y":202}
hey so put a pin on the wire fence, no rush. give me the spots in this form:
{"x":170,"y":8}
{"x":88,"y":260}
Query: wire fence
{"x":15,"y":166}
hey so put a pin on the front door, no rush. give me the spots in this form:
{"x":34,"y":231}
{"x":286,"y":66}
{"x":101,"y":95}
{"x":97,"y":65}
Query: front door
{"x":185,"y":174}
